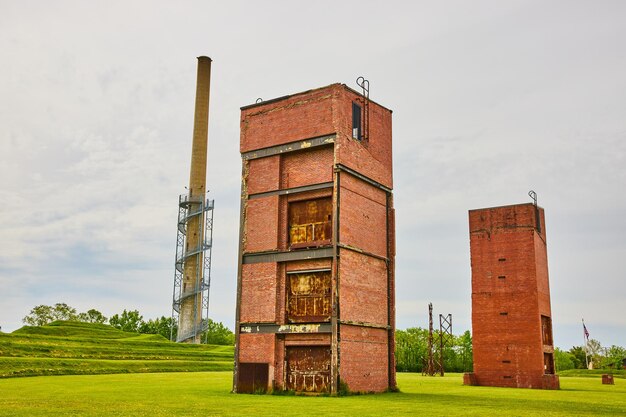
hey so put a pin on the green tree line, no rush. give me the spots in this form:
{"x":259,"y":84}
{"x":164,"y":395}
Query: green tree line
{"x":127,"y":320}
{"x":600,"y":357}
{"x":412,"y":351}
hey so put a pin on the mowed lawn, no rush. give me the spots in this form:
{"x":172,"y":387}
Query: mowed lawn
{"x":207,"y":394}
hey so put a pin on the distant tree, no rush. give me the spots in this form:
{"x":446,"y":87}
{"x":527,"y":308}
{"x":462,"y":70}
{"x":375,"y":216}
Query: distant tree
{"x":594,"y":351}
{"x":411,"y":349}
{"x":563,"y":360}
{"x":160,"y":326}
{"x":62,"y":311}
{"x":92,"y":316}
{"x":578,"y":357}
{"x":464,"y":343}
{"x":614,"y":357}
{"x":39,"y":316}
{"x":218,"y":334}
{"x":44,"y":314}
{"x":128,"y":321}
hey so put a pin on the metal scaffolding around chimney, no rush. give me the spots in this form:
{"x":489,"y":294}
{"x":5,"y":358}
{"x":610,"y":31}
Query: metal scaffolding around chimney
{"x":201,"y":210}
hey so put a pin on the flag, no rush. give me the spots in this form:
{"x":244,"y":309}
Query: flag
{"x":585,"y":330}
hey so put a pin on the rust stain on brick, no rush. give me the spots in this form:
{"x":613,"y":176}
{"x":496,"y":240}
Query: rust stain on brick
{"x":308,"y":368}
{"x":310,"y":222}
{"x":308,"y":297}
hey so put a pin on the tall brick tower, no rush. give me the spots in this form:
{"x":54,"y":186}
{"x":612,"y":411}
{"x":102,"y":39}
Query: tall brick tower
{"x":315,"y":286}
{"x":511,"y":315}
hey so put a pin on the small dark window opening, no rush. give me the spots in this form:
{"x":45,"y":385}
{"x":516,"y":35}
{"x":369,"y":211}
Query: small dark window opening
{"x":504,"y":314}
{"x":356,"y":122}
{"x":502,"y":259}
{"x":506,"y":361}
{"x":548,"y":363}
{"x":502,"y":277}
{"x":546,"y":330}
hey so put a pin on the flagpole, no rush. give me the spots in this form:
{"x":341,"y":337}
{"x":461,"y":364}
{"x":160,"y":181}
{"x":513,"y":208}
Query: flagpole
{"x":586,"y":340}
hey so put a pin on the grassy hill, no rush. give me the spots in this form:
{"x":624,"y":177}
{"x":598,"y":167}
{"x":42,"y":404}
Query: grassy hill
{"x":64,"y":348}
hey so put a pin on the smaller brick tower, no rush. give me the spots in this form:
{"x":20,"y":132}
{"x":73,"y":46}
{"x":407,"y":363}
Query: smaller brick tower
{"x":511,"y":315}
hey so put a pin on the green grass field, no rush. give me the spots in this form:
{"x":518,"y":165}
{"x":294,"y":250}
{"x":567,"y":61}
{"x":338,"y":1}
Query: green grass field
{"x":101,"y":371}
{"x":207,"y":394}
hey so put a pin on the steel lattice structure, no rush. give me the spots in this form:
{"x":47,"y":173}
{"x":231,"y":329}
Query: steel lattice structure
{"x":196,"y":298}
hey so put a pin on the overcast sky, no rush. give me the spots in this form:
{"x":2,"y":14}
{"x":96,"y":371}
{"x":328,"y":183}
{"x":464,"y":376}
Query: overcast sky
{"x":491,"y":99}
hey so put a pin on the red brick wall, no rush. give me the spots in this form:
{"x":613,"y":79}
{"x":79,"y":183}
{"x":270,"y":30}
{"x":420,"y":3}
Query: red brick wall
{"x":543,"y":282}
{"x":509,"y":294}
{"x":261,"y":224}
{"x":301,"y":116}
{"x":263,"y":174}
{"x":256,"y":348}
{"x":363,"y":215}
{"x":363,"y":359}
{"x":307,"y":167}
{"x":258,"y":292}
{"x":374,"y":157}
{"x":363,"y":288}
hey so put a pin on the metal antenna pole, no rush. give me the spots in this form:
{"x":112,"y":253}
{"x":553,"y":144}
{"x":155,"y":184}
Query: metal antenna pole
{"x":430,"y":367}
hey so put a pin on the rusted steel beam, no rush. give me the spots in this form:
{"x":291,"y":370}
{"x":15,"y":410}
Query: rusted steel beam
{"x":289,"y":147}
{"x":293,"y":190}
{"x":364,"y":324}
{"x":284,"y":328}
{"x":341,"y":167}
{"x":242,"y":222}
{"x":334,"y":320}
{"x":284,"y":256}
{"x":391,"y":298}
{"x":362,"y":252}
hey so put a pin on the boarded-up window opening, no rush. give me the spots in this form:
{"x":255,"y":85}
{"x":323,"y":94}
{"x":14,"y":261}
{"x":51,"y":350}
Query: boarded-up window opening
{"x":310,"y":223}
{"x":548,"y":363}
{"x":308,"y":297}
{"x":308,"y":368}
{"x":546,"y":330}
{"x":253,"y":377}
